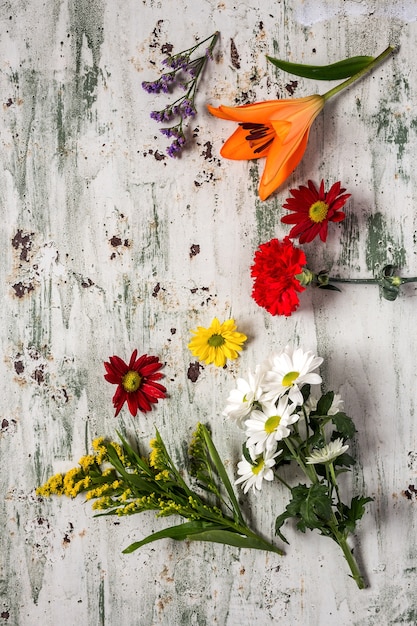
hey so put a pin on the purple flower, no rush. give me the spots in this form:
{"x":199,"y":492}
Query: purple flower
{"x":151,"y":87}
{"x":173,"y":131}
{"x":162,"y":84}
{"x":175,"y":148}
{"x":177,"y":61}
{"x":187,"y":109}
{"x":184,"y":73}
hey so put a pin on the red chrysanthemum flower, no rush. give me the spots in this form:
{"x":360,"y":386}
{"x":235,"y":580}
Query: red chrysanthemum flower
{"x":136,"y":382}
{"x":313,"y":210}
{"x":276,"y":265}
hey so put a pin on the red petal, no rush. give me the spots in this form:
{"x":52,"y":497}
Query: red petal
{"x":154,"y":391}
{"x":118,"y":365}
{"x":132,"y":403}
{"x":133,"y":359}
{"x":338,"y":217}
{"x":323,"y":231}
{"x":119,"y":399}
{"x":112,"y":378}
{"x":151,"y":368}
{"x":142,"y":401}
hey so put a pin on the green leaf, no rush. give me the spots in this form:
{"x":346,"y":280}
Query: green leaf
{"x":179,"y":533}
{"x":222,"y":473}
{"x":205,"y":531}
{"x":330,"y":287}
{"x":325,"y":402}
{"x":234,"y":539}
{"x":317,"y":506}
{"x":305,"y":392}
{"x":344,"y":460}
{"x":350,"y":515}
{"x":281,"y":519}
{"x":344,"y":425}
{"x":133,"y":456}
{"x":357,"y":506}
{"x":246,"y":454}
{"x":334,"y":71}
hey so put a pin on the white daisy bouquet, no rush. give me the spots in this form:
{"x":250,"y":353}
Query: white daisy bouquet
{"x":286,"y":422}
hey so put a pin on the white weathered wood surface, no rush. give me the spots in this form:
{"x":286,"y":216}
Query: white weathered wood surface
{"x":97,"y":258}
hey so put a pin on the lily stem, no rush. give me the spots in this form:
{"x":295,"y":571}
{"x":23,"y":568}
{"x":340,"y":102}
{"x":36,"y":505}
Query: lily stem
{"x":355,"y":77}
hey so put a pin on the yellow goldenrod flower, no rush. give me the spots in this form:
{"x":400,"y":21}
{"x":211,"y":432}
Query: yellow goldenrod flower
{"x":217,"y":343}
{"x":156,"y":456}
{"x":53,"y":487}
{"x":87,"y":461}
{"x":164,"y":475}
{"x":97,"y":443}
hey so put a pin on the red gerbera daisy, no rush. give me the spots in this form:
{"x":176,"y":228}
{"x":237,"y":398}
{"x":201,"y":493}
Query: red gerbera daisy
{"x":275,"y":269}
{"x":313,"y":209}
{"x":136,"y":382}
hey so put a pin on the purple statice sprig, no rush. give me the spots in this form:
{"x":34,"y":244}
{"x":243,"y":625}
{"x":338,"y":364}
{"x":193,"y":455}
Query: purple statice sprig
{"x":184,"y":72}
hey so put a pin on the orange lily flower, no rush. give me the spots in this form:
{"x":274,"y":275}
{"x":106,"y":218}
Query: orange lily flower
{"x":275,"y":129}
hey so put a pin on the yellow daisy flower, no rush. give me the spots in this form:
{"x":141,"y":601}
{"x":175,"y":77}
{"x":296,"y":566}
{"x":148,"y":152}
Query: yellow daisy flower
{"x":217,"y":343}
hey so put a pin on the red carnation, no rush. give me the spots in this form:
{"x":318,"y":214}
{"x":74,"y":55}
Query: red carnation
{"x":276,"y":265}
{"x":136,"y":382}
{"x":313,"y":209}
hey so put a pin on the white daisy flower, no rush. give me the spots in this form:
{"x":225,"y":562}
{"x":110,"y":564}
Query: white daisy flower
{"x":253,"y":475}
{"x":328,"y":453}
{"x":241,"y":400}
{"x":291,"y":369}
{"x":265,"y":428}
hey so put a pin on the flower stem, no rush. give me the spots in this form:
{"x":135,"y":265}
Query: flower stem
{"x":358,"y":281}
{"x":358,"y":75}
{"x":354,"y":568}
{"x":308,"y":470}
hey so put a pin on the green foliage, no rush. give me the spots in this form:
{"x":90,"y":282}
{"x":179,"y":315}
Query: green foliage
{"x":345,"y":427}
{"x":135,"y":483}
{"x":311,"y":506}
{"x":334,"y":71}
{"x":348,"y":516}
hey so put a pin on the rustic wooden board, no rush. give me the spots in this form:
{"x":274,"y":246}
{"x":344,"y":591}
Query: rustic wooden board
{"x":107,"y":245}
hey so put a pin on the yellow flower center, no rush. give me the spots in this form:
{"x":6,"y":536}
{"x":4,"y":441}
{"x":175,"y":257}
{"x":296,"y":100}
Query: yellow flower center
{"x":258,"y":467}
{"x":318,"y":211}
{"x":131,"y":381}
{"x":215,"y":341}
{"x":289,"y":378}
{"x":272,"y":423}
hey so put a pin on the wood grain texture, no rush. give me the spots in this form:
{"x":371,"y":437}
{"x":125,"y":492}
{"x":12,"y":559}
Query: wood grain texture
{"x":107,"y":245}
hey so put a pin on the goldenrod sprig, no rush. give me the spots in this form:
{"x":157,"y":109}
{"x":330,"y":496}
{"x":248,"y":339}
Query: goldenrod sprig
{"x":120,"y":481}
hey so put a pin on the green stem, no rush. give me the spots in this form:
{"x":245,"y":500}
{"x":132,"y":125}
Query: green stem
{"x":358,"y":75}
{"x":370,"y":281}
{"x":358,"y":281}
{"x":412,"y":279}
{"x":334,"y":481}
{"x":308,"y":470}
{"x":282,"y":481}
{"x":354,"y":568}
{"x":214,"y":37}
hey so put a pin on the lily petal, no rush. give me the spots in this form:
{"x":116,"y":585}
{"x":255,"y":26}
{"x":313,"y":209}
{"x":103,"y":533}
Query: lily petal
{"x":282,"y":140}
{"x":280,"y":163}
